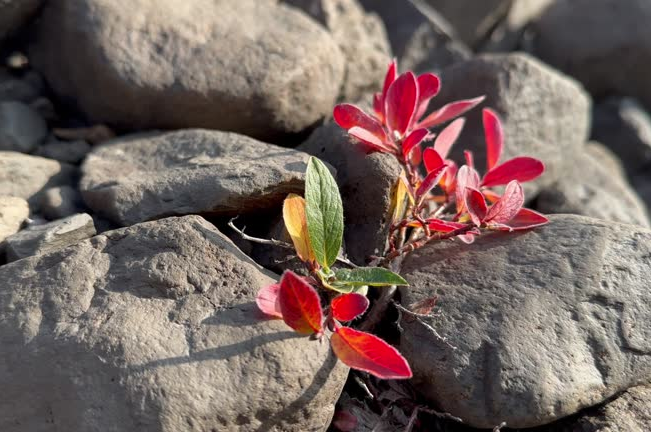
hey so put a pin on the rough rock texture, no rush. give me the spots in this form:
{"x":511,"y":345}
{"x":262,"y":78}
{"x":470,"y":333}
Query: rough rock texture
{"x":28,"y":176}
{"x":420,"y":40}
{"x":64,"y":151}
{"x":61,"y":201}
{"x":624,"y":126}
{"x":14,"y":14}
{"x":142,"y":177}
{"x":615,"y":61}
{"x":507,"y":36}
{"x":594,"y":190}
{"x":154,"y":328}
{"x":21,"y":128}
{"x":544,"y":114}
{"x":39,"y":239}
{"x":361,"y":38}
{"x":13,"y":212}
{"x":630,"y":412}
{"x":366,"y":183}
{"x":546,"y":322}
{"x":250,"y":66}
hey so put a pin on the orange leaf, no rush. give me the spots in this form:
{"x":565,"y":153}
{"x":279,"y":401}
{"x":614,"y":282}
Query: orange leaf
{"x":347,"y":307}
{"x":300,"y":304}
{"x":296,"y":224}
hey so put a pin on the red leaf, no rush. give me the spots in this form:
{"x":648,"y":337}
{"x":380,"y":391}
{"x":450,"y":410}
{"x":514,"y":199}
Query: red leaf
{"x":369,"y":353}
{"x":300,"y":304}
{"x":522,"y":169}
{"x":347,"y":307}
{"x":491,"y":196}
{"x":348,"y":116}
{"x":400,"y":103}
{"x":470,"y":158}
{"x":449,"y":179}
{"x":267,"y":300}
{"x":494,"y":137}
{"x":371,"y":141}
{"x":428,"y":87}
{"x":448,"y":137}
{"x":508,"y":206}
{"x":526,"y":219}
{"x":432,"y":159}
{"x":440,"y":225}
{"x":378,"y":106}
{"x":449,"y":111}
{"x":476,"y":205}
{"x":389,"y":78}
{"x":416,"y":156}
{"x":466,"y":177}
{"x":428,"y":184}
{"x":413,"y":139}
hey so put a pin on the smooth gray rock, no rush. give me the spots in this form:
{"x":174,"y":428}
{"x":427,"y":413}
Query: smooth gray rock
{"x":13,"y":212}
{"x":249,"y":66}
{"x":154,"y":328}
{"x":14,"y":14}
{"x":570,"y":36}
{"x":16,"y":89}
{"x":21,"y":128}
{"x":72,"y":152}
{"x":61,"y":201}
{"x":39,"y":239}
{"x":546,"y":322}
{"x":141,"y":177}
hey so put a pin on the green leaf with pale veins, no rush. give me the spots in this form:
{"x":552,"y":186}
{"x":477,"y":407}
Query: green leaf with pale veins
{"x":371,"y":276}
{"x":324,"y":212}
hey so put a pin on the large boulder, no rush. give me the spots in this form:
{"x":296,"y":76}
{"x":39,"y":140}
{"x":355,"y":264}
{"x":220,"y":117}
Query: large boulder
{"x":629,"y":412}
{"x":13,"y":212}
{"x":250,"y":66}
{"x":154,"y":328}
{"x":147,"y":176}
{"x":545,"y":322}
{"x":14,"y":14}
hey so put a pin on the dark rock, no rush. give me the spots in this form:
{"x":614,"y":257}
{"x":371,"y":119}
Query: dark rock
{"x":64,"y":151}
{"x":14,"y":14}
{"x":21,"y":128}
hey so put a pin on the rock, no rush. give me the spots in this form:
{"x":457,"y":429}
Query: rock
{"x":642,"y":186}
{"x":617,"y":61}
{"x":61,"y":201}
{"x":546,"y":322}
{"x":507,"y":35}
{"x":366,"y":183}
{"x":21,"y":128}
{"x":420,"y":39}
{"x":249,"y":66}
{"x":14,"y":14}
{"x":609,"y":160}
{"x":361,"y":37}
{"x":65,"y":151}
{"x":630,"y":412}
{"x":27,"y":176}
{"x":154,"y":328}
{"x":544,"y":114}
{"x":624,"y":126}
{"x":13,"y":212}
{"x":15,"y":89}
{"x":594,"y":190}
{"x":147,"y":176}
{"x":39,"y":239}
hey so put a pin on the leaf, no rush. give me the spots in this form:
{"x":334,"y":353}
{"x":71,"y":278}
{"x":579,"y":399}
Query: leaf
{"x":448,"y":112}
{"x":521,"y":168}
{"x":508,"y":206}
{"x":428,"y":87}
{"x":372,"y":276}
{"x":371,"y":141}
{"x":466,"y":177}
{"x":369,"y":353}
{"x":399,"y":201}
{"x":448,"y":183}
{"x":428,"y":183}
{"x":400,"y":103}
{"x":348,"y":116}
{"x":476,"y":205}
{"x":300,"y":304}
{"x":296,"y":225}
{"x":526,"y":219}
{"x":448,"y":137}
{"x":494,"y":136}
{"x":324,"y":211}
{"x":267,"y":300}
{"x":432,"y":159}
{"x":347,"y":307}
{"x":444,"y":226}
{"x":413,"y":139}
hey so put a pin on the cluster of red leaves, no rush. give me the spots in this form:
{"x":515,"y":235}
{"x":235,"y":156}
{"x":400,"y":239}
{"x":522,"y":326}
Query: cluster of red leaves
{"x":295,"y":301}
{"x":399,"y":126}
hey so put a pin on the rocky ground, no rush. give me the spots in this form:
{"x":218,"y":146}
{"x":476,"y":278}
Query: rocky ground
{"x":131,"y":131}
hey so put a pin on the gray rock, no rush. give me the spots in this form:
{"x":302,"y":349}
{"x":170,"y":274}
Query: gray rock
{"x":14,"y":14}
{"x":64,"y":151}
{"x":420,"y":39}
{"x":141,"y":177}
{"x":21,"y":128}
{"x":39,"y":239}
{"x":154,"y":328}
{"x":630,"y":412}
{"x":61,"y":201}
{"x":591,"y":189}
{"x":625,"y":127}
{"x":605,"y":156}
{"x":13,"y":212}
{"x":642,"y":185}
{"x":617,"y":61}
{"x":544,"y":114}
{"x":15,"y":89}
{"x":27,"y":176}
{"x":366,"y":183}
{"x":250,"y":66}
{"x":507,"y":35}
{"x":361,"y":38}
{"x":546,"y":322}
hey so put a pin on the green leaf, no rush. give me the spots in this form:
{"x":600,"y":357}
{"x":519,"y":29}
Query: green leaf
{"x":324,"y":212}
{"x":372,"y":276}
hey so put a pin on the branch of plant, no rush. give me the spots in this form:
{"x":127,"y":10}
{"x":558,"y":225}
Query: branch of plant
{"x":410,"y":247}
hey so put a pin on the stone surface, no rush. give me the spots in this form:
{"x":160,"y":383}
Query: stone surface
{"x":250,"y":66}
{"x":154,"y":328}
{"x":39,"y":239}
{"x":13,"y":212}
{"x":21,"y":128}
{"x":592,"y":189}
{"x":507,"y":35}
{"x":630,"y":412}
{"x":546,"y":322}
{"x":617,"y":61}
{"x":27,"y":176}
{"x":64,"y":151}
{"x":625,"y":127}
{"x":544,"y":114}
{"x":420,"y":39}
{"x":61,"y":201}
{"x":14,"y":14}
{"x":148,"y":176}
{"x":361,"y":38}
{"x":642,"y":185}
{"x":13,"y":88}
